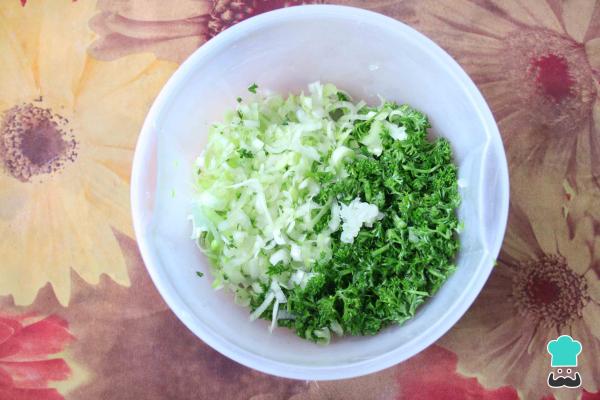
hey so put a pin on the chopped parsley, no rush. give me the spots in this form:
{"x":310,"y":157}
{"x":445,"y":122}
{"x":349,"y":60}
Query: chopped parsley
{"x":245,"y":153}
{"x":342,"y":96}
{"x":390,"y":269}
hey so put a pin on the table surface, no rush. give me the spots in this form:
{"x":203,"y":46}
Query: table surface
{"x":79,"y":316}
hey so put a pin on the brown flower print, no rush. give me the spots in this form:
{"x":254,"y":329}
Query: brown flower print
{"x":544,"y":285}
{"x":573,"y":201}
{"x":538,"y":65}
{"x":172,"y":30}
{"x":401,"y":10}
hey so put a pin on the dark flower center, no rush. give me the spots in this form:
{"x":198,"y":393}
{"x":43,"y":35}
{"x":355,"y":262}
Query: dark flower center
{"x":34,"y":141}
{"x":551,"y":75}
{"x":544,"y":291}
{"x":549,"y":291}
{"x":226,"y":13}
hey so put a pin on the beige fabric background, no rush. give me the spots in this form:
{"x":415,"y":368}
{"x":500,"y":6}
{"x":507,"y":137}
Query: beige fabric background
{"x":79,"y":317}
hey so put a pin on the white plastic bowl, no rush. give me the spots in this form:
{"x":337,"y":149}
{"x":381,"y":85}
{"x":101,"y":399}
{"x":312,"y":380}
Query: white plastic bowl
{"x":366,"y":54}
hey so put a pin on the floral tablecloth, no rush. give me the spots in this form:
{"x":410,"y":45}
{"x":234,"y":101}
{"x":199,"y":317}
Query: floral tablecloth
{"x":79,"y":316}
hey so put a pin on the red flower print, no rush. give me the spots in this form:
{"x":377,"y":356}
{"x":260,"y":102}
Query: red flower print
{"x":26,"y":344}
{"x":432,"y":374}
{"x":590,"y":396}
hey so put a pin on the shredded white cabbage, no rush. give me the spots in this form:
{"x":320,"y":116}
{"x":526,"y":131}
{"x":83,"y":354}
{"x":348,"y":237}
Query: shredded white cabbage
{"x":373,"y":139}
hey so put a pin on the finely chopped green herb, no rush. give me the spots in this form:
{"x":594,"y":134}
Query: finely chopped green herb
{"x":342,"y":219}
{"x":252,"y":88}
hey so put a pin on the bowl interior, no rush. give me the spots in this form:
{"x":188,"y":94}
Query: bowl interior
{"x":367,"y":55}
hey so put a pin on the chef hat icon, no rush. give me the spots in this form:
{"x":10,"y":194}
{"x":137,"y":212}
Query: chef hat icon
{"x":564,"y":351}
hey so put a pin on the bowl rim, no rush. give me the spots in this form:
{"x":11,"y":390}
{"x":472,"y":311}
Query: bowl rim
{"x":139,"y":195}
